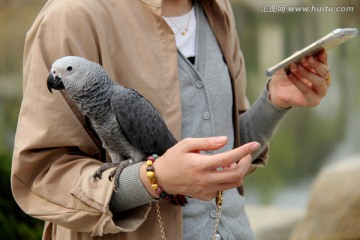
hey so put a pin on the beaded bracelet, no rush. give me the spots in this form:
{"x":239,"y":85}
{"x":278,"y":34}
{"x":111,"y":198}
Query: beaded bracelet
{"x":150,"y":173}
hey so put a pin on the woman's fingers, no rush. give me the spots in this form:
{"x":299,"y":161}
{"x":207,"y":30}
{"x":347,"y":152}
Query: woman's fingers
{"x":183,"y":170}
{"x":317,"y":82}
{"x":322,"y":57}
{"x":225,"y":159}
{"x":233,"y":176}
{"x":202,"y":144}
{"x":320,"y":68}
{"x":312,"y":78}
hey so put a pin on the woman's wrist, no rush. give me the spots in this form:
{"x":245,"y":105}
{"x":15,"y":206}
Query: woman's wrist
{"x":150,"y":174}
{"x":150,"y":180}
{"x":146,"y":182}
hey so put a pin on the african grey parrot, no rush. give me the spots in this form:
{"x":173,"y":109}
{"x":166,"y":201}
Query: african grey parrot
{"x":128,"y":125}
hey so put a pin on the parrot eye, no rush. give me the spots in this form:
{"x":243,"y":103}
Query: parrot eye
{"x":69,"y":68}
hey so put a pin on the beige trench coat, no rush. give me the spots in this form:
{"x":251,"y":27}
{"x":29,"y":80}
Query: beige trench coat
{"x":55,"y":155}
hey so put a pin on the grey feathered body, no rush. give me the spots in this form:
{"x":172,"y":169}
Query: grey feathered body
{"x":128,"y":125}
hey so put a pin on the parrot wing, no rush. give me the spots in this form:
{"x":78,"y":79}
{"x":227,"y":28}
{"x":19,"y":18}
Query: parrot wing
{"x":140,"y":122}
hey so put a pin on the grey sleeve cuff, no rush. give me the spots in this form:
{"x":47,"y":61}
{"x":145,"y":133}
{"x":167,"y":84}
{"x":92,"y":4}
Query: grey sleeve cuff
{"x":131,"y":192}
{"x":259,"y":123}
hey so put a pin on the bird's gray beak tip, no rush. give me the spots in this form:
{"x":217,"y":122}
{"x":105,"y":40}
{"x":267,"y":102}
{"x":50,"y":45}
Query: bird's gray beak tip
{"x":54,"y":83}
{"x":50,"y":82}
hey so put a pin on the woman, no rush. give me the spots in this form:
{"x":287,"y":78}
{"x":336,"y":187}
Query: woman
{"x":139,"y":44}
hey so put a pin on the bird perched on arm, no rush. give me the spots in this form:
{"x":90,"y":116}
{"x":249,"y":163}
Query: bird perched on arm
{"x":128,"y":125}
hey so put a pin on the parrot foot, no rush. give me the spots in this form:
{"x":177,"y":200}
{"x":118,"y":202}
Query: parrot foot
{"x":100,"y":170}
{"x":115,"y":174}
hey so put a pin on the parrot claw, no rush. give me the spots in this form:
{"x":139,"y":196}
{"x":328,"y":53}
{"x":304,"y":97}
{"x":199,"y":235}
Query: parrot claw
{"x":115,"y":174}
{"x":102,"y":169}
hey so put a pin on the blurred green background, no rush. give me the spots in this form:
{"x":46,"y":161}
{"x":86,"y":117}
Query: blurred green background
{"x":307,"y":139}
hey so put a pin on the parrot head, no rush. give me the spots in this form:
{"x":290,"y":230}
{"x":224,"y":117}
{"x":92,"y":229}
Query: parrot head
{"x":71,"y":73}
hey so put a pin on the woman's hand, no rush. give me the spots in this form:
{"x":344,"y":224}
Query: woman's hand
{"x":183,"y":170}
{"x":305,"y":84}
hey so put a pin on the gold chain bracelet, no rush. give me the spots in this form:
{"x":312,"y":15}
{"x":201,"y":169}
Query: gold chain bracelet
{"x":163,"y":195}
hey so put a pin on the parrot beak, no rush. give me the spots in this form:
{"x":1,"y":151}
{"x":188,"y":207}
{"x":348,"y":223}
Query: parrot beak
{"x":54,"y":83}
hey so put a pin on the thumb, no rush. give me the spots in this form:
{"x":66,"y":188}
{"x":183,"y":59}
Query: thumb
{"x":203,"y":144}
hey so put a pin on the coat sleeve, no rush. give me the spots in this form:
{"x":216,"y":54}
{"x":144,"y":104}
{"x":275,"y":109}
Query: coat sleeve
{"x":54,"y":156}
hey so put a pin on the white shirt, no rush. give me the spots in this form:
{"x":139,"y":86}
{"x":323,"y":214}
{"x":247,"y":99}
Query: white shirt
{"x":184,"y":28}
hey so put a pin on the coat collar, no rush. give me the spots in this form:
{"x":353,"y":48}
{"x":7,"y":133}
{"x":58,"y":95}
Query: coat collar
{"x":154,"y":3}
{"x":158,"y":3}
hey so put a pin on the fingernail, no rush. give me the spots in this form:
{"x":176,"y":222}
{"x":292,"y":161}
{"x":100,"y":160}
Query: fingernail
{"x":301,"y":68}
{"x":220,"y":140}
{"x":311,"y":60}
{"x":255,"y":146}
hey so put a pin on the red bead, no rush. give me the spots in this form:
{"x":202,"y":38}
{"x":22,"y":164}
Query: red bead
{"x":158,"y":191}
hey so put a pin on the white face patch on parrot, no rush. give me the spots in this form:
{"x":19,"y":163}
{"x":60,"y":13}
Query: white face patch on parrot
{"x":79,"y":77}
{"x":71,"y":72}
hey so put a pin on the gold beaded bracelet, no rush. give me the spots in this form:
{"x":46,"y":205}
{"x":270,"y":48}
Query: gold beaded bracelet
{"x":150,"y":173}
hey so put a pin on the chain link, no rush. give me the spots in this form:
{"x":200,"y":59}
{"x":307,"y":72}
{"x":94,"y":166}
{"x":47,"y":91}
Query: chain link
{"x":162,"y":232}
{"x":217,"y":222}
{"x":219,"y":201}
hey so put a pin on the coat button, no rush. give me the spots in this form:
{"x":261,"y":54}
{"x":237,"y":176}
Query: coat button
{"x":231,"y":238}
{"x":206,"y":115}
{"x":213,"y":214}
{"x":199,"y":84}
